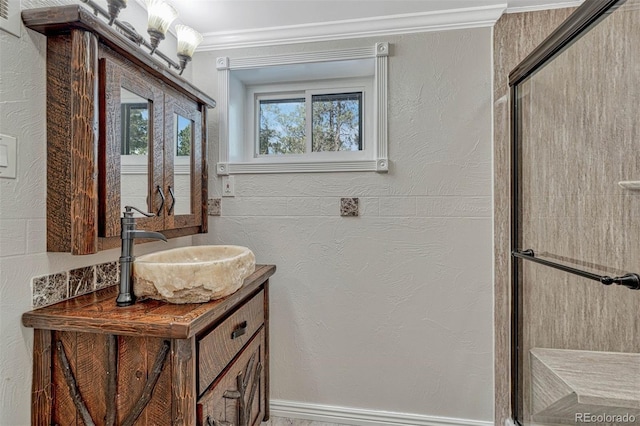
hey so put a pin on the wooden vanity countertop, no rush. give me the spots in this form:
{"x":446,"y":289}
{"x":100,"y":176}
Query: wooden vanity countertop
{"x":97,"y":312}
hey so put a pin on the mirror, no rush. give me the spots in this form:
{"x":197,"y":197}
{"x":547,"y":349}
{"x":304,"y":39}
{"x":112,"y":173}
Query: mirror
{"x":182,"y":144}
{"x":131,"y":120}
{"x":134,"y":152}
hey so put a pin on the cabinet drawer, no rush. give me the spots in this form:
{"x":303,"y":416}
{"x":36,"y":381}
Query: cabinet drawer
{"x":217,"y":349}
{"x":238,"y":398}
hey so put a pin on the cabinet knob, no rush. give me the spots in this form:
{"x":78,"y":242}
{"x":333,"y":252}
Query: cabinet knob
{"x":240,"y":330}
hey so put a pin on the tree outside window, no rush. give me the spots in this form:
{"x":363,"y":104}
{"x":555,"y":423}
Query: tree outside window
{"x":282,"y":126}
{"x":336,"y":124}
{"x":337,"y":121}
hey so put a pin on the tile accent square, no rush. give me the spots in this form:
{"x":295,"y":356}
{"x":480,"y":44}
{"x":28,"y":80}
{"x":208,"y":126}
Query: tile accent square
{"x":348,"y":207}
{"x":49,"y":289}
{"x":213,"y":206}
{"x":81,"y":281}
{"x":107,"y":274}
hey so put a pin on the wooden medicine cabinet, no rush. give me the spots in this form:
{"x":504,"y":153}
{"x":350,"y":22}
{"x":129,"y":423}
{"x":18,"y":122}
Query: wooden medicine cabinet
{"x":121,"y":130}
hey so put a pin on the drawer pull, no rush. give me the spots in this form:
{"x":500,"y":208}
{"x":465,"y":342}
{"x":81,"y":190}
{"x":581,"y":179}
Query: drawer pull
{"x":239,"y":331}
{"x":209,"y":422}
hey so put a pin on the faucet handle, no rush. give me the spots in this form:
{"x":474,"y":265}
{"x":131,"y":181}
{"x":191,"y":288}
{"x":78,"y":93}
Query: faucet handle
{"x":129,"y":213}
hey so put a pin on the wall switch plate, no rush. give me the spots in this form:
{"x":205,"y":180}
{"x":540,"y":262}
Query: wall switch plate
{"x":10,"y":16}
{"x":8,"y":157}
{"x":4,"y":156}
{"x":228,"y":186}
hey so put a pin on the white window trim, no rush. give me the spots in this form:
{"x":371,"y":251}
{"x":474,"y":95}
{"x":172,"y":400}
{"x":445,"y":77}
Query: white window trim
{"x":379,"y":162}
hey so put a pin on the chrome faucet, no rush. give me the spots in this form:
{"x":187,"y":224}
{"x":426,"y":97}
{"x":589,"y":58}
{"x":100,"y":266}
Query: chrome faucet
{"x":128,"y":233}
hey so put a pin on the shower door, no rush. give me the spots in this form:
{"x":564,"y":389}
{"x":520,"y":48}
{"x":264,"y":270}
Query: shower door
{"x":575,"y":123}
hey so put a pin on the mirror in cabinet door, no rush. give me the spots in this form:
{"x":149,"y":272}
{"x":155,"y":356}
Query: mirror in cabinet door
{"x":131,"y":145}
{"x":183,"y":162}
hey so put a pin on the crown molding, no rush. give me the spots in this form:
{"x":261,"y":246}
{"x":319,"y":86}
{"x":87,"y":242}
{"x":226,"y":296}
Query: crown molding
{"x":484,"y":16}
{"x":548,"y":6}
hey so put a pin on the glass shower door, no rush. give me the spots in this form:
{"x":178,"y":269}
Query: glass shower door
{"x":576,"y":222}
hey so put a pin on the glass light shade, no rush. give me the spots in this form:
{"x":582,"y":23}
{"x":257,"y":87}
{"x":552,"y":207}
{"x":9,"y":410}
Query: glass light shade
{"x":161,"y":15}
{"x":188,"y":40}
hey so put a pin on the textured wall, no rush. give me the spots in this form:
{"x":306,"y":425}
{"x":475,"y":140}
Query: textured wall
{"x":22,"y":210}
{"x":515,"y":36}
{"x":391,"y":310}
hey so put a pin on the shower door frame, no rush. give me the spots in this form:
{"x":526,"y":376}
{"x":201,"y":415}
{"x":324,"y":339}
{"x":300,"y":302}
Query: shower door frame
{"x":579,"y":23}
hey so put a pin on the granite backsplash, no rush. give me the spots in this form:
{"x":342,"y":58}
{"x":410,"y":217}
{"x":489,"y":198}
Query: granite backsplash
{"x":53,"y":288}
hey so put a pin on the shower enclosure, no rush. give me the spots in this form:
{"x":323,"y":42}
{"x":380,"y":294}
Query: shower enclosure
{"x":575,"y":225}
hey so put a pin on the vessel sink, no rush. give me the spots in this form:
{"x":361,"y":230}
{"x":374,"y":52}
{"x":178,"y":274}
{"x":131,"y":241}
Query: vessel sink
{"x":192,"y":274}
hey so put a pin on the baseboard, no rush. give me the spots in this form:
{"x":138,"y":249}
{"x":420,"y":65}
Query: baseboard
{"x":360,"y":417}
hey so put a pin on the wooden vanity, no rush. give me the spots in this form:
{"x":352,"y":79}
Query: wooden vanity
{"x":153,"y":363}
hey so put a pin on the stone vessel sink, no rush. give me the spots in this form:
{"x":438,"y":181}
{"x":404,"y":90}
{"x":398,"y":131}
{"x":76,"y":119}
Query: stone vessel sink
{"x":192,"y":274}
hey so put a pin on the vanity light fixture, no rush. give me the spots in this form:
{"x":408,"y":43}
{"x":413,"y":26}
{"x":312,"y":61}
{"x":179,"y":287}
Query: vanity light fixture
{"x":188,"y":40}
{"x":160,"y":15}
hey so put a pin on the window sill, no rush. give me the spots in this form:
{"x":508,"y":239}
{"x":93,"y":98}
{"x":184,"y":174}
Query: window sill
{"x":379,"y":165}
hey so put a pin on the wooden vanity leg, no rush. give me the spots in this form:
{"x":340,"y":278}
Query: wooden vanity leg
{"x":41,"y":396}
{"x":183,"y":410}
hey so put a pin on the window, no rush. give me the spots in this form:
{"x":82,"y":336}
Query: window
{"x":336,"y":123}
{"x":310,"y":112}
{"x":322,"y":122}
{"x":281,"y":126}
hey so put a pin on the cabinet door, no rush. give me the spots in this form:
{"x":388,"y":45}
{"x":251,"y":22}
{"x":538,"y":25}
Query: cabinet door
{"x":237,"y":398}
{"x":131,"y":145}
{"x":184,"y":162}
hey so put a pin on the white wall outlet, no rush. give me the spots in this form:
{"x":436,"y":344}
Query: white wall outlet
{"x":8,"y":157}
{"x":228,"y":186}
